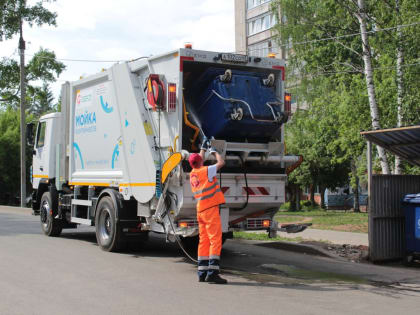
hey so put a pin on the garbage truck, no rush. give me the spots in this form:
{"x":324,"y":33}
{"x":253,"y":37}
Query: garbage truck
{"x":116,"y":155}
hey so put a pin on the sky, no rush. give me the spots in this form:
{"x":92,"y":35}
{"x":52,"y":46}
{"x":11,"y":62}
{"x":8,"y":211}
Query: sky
{"x":110,"y":30}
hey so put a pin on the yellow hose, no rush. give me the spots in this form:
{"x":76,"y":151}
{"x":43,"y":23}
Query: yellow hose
{"x":189,"y":124}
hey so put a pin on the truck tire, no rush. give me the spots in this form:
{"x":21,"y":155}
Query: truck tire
{"x":108,"y":232}
{"x":49,"y":225}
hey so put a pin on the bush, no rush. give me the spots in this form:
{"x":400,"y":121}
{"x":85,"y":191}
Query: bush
{"x":306,"y":203}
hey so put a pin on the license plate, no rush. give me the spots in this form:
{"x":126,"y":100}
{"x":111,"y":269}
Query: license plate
{"x":235,"y":58}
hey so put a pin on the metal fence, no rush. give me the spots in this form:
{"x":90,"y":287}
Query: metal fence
{"x":386,"y":217}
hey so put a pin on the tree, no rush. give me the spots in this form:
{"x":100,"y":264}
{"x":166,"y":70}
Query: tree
{"x":42,"y":100}
{"x":361,"y":15}
{"x":329,"y":40}
{"x":42,"y":67}
{"x":310,"y":134}
{"x":13,"y":10}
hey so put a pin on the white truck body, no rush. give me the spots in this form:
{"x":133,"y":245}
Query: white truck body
{"x":108,"y":137}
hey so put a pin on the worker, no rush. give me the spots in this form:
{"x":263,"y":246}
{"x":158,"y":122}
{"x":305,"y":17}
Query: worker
{"x":209,"y":196}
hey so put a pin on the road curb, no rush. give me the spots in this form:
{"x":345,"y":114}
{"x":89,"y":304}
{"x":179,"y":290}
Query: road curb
{"x":10,"y":209}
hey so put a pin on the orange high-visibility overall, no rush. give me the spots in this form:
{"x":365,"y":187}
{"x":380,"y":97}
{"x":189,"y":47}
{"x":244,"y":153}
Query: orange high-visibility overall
{"x":209,"y":196}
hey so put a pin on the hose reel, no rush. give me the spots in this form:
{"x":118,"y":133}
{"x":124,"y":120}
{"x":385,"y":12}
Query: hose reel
{"x":156,"y":92}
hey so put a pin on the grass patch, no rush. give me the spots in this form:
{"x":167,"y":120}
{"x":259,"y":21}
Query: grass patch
{"x":264,"y":237}
{"x":327,"y":220}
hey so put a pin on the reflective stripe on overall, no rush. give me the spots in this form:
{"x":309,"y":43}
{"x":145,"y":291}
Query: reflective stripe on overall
{"x":208,"y":194}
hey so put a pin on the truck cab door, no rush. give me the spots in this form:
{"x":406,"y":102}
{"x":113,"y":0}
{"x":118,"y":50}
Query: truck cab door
{"x":39,"y":164}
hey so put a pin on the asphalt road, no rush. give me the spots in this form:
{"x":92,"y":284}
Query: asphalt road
{"x":71,"y":275}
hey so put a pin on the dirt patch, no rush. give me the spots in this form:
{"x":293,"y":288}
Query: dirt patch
{"x":353,"y":253}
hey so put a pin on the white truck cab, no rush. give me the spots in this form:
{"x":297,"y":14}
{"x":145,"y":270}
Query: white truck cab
{"x":44,"y":150}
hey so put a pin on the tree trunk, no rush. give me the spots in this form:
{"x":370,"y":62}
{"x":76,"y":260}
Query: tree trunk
{"x":356,"y":198}
{"x":293,"y":196}
{"x":356,"y":204}
{"x":312,"y":192}
{"x":374,"y":113}
{"x":322,"y":192}
{"x":400,"y":82}
{"x":298,"y":198}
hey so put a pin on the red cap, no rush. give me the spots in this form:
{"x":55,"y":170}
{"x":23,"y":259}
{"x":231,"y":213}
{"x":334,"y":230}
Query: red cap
{"x":195,"y":160}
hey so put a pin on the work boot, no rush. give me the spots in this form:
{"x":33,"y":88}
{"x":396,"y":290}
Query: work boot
{"x":215,"y":278}
{"x":202,"y":278}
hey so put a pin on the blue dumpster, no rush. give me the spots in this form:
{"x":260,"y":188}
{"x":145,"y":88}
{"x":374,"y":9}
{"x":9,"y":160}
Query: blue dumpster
{"x":215,"y":103}
{"x":412,"y":223}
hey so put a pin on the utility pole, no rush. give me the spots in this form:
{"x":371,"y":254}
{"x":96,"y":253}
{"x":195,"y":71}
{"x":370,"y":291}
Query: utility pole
{"x":22,"y":120}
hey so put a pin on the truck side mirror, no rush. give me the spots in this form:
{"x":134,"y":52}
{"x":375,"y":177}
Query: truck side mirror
{"x":30,"y":134}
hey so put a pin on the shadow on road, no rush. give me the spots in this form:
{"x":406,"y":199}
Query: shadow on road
{"x":244,"y":265}
{"x":255,"y":270}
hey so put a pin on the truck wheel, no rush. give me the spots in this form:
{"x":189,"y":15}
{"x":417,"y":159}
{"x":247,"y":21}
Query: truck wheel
{"x":108,"y":233}
{"x":49,"y":225}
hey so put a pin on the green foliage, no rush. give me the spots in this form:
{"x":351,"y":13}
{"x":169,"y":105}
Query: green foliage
{"x":327,"y":220}
{"x":264,"y":237}
{"x":42,"y":100}
{"x":13,"y":10}
{"x":311,"y":133}
{"x":305,"y":205}
{"x":328,"y":76}
{"x":43,"y":67}
{"x":9,"y":153}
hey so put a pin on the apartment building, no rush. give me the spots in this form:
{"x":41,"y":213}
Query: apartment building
{"x":254,"y":20}
{"x":254,"y":36}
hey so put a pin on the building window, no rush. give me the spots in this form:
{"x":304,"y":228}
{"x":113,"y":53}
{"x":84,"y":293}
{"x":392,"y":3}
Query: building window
{"x":261,"y":24}
{"x":255,"y":3}
{"x":262,"y":49}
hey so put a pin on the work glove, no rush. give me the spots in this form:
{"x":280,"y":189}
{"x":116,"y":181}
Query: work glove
{"x":206,"y":144}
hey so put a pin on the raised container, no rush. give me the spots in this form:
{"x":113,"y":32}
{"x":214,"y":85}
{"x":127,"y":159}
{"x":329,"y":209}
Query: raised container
{"x":242,"y":108}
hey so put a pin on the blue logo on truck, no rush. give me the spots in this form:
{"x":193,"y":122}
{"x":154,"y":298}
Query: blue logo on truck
{"x":76,"y":146}
{"x":86,"y":122}
{"x":115,"y":155}
{"x":88,"y":118}
{"x":105,"y":106}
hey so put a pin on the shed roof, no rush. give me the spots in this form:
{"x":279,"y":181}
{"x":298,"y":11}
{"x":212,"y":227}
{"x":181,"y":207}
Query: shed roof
{"x":404,"y":142}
